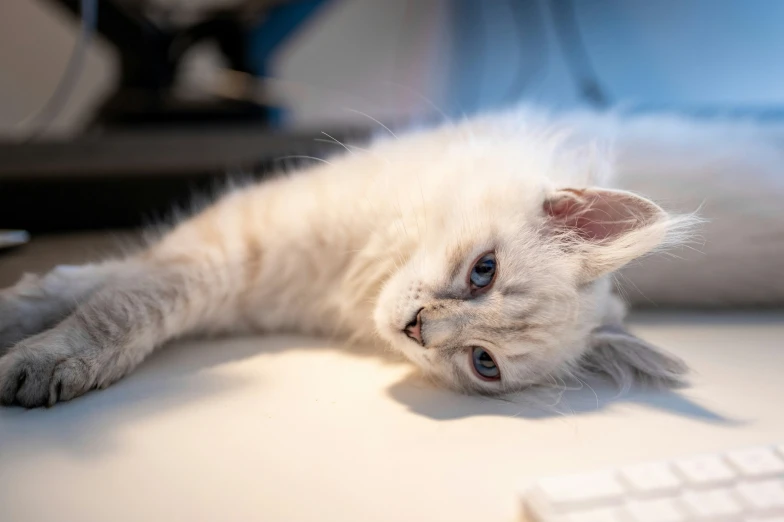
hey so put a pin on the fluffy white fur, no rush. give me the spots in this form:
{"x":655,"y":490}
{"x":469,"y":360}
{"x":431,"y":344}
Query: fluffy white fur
{"x":356,"y":246}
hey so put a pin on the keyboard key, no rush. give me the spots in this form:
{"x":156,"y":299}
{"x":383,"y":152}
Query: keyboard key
{"x":756,"y":462}
{"x":705,"y":470}
{"x":578,"y":491}
{"x":715,"y":504}
{"x":650,"y":479}
{"x":659,"y":510}
{"x":762,"y":496}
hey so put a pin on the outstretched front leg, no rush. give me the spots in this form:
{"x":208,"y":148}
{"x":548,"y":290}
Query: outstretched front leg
{"x":36,"y":303}
{"x":109,"y":334}
{"x":190,"y":281}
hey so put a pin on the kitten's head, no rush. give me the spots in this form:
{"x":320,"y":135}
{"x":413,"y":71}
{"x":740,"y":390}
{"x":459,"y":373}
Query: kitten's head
{"x":506,"y":290}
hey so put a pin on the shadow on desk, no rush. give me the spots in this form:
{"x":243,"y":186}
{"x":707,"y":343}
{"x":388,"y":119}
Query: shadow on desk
{"x":179,"y":376}
{"x":577,"y":398}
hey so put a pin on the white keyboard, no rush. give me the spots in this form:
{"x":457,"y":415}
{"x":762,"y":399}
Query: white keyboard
{"x":746,"y":485}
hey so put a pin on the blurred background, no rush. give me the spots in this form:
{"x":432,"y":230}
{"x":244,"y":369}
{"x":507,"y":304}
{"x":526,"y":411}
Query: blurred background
{"x":392,"y":59}
{"x":112,"y":110}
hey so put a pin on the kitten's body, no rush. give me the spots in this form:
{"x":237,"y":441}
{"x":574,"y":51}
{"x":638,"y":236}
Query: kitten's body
{"x":353,"y":248}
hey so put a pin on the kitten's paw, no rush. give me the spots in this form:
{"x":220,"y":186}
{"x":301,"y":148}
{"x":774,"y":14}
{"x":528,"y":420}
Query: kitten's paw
{"x":35,"y":374}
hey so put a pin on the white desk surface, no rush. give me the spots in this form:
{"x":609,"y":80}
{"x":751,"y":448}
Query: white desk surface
{"x":297,"y":430}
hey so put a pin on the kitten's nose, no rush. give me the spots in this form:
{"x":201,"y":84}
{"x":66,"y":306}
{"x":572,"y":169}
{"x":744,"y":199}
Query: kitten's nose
{"x":414,"y":329}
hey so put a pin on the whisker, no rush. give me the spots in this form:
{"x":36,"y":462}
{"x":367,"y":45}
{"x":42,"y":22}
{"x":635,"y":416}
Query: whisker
{"x":338,"y":142}
{"x":590,"y":388}
{"x":296,"y":156}
{"x":372,"y":118}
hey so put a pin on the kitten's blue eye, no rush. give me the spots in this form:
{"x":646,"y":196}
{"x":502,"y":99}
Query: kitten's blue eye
{"x":483,"y":271}
{"x":484,"y":365}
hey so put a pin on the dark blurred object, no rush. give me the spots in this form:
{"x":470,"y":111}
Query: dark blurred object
{"x":150,"y":54}
{"x":155,"y":151}
{"x":130,"y":179}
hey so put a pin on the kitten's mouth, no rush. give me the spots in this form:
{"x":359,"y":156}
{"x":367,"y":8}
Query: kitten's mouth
{"x":413,"y":330}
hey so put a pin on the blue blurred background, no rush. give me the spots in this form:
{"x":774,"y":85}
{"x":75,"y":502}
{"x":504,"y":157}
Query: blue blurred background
{"x":399,"y":59}
{"x":678,"y":54}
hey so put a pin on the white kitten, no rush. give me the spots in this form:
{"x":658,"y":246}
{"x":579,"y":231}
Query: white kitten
{"x":480,"y":250}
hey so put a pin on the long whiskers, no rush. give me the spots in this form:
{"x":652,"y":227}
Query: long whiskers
{"x":335,"y":140}
{"x":373,"y":119}
{"x":300,"y":156}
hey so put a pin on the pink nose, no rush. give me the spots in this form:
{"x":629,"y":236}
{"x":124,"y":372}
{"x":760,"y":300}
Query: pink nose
{"x":414,"y":329}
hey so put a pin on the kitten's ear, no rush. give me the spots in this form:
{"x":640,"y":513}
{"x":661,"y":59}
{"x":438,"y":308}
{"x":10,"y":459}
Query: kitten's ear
{"x":607,"y":228}
{"x":627,"y":359}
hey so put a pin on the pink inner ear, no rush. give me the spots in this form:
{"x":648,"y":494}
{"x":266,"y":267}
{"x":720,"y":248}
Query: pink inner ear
{"x":599,"y":214}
